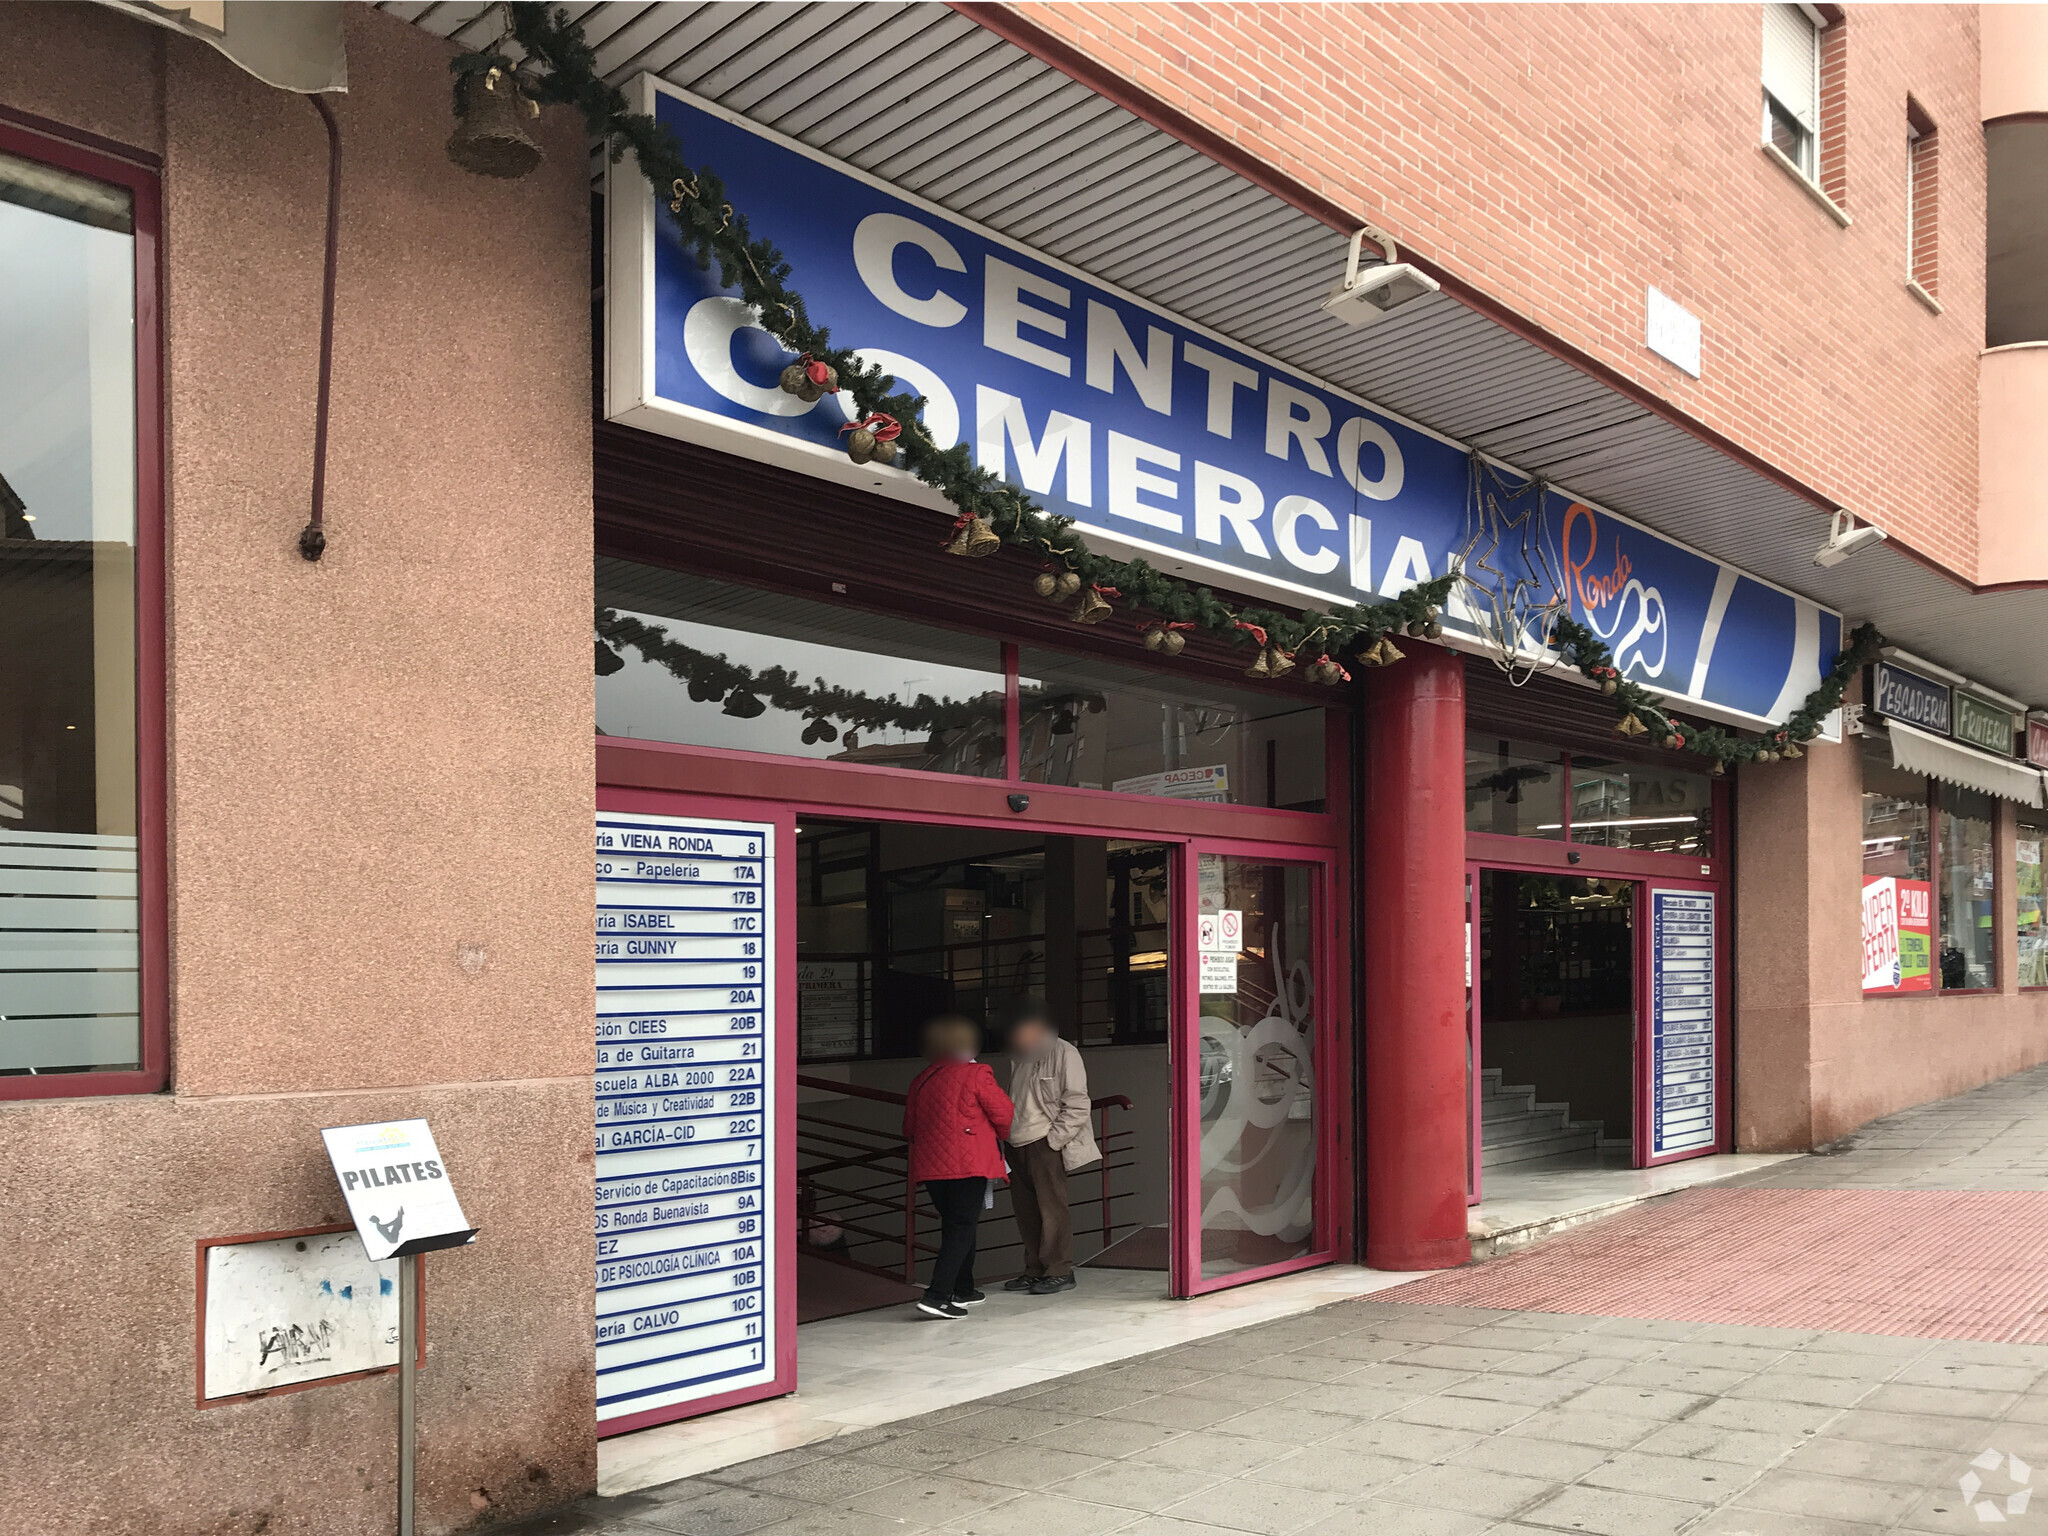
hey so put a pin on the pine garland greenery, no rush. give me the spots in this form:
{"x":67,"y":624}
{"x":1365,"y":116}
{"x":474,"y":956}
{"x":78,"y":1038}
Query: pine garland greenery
{"x":557,"y":65}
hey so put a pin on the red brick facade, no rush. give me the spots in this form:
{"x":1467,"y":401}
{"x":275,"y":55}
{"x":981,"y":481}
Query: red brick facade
{"x":1562,"y":159}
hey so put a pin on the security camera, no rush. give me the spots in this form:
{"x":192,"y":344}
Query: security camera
{"x":1844,"y":540}
{"x":1373,"y":286}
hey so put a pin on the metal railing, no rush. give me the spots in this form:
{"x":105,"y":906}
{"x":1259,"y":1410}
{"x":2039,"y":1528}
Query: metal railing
{"x":856,"y":1177}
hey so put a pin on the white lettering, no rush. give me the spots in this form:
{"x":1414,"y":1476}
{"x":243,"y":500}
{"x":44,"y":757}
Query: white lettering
{"x":1126,"y":480}
{"x":1222,"y":497}
{"x":1289,"y":511}
{"x":1409,"y":567}
{"x":708,"y":332}
{"x":1151,"y":372}
{"x":1308,"y":428}
{"x":1361,"y":553}
{"x":1354,"y":435}
{"x":1003,"y":310}
{"x":1225,"y":378}
{"x":998,"y":416}
{"x":875,"y":242}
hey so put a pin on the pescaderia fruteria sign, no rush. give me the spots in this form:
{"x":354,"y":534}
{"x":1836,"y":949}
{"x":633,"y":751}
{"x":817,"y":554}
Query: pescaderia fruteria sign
{"x":1158,"y":437}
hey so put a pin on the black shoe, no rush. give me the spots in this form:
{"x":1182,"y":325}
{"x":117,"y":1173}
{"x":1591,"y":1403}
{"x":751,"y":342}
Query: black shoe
{"x":1021,"y":1282}
{"x":1052,"y":1285}
{"x":944,"y":1309}
{"x":969,"y":1298}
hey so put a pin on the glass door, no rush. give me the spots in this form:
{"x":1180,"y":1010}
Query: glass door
{"x":1682,"y":1105}
{"x":1253,"y":1141}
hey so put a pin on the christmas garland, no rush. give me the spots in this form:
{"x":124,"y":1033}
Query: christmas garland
{"x":557,"y":65}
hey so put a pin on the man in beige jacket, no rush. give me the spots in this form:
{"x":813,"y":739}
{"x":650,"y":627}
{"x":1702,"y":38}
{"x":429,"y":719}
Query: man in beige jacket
{"x":1051,"y":1137}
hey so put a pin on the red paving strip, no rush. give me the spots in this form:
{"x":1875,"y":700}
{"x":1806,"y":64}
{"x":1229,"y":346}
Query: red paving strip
{"x":1936,"y":1264}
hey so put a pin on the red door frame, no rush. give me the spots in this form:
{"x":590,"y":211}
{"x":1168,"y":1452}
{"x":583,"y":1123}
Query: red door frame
{"x":1486,"y":851}
{"x":1329,"y":1062}
{"x":669,"y":779}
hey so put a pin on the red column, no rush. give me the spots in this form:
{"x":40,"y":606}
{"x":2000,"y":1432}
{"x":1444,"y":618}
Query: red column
{"x":1413,"y":863}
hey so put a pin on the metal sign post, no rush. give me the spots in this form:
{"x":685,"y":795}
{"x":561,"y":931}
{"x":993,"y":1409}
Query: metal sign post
{"x":408,"y":1382}
{"x":403,"y":1204}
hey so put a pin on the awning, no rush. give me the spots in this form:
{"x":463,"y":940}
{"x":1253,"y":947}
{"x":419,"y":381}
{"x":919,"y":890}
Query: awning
{"x":1918,"y":752}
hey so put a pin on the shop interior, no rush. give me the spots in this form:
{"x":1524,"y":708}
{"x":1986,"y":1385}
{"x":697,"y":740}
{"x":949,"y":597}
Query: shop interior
{"x":898,"y":923}
{"x":1555,"y":967}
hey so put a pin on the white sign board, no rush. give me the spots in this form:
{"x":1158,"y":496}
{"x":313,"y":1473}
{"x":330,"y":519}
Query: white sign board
{"x":398,"y":1192}
{"x":283,"y":1311}
{"x":1220,"y":932}
{"x":1673,"y":332}
{"x":1682,"y":1069}
{"x":1211,"y":784}
{"x":1219,"y":974}
{"x":686,"y":1157}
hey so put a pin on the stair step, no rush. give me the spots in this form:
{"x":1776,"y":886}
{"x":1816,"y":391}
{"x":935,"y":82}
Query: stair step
{"x":1576,"y":1138}
{"x":1541,"y":1122}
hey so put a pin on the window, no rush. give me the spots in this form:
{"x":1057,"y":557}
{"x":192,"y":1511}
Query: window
{"x":1923,"y":188}
{"x":1098,"y":725}
{"x":1930,"y":886}
{"x":1791,"y":80}
{"x":686,"y":659}
{"x":2016,"y":232}
{"x":1966,"y":872}
{"x":2032,"y":931}
{"x":1513,"y":789}
{"x":71,"y":997}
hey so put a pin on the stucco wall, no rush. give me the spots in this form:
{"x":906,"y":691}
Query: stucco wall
{"x":380,"y":766}
{"x":1814,"y":1058}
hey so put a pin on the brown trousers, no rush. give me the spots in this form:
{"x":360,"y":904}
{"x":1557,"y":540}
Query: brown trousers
{"x":1038,"y":1195}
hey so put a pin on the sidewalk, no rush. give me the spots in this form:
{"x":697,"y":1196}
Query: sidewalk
{"x":1646,"y":1374}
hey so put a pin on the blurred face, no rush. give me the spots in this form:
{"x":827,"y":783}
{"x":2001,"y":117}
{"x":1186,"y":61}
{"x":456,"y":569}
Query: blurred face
{"x":1030,"y":1036}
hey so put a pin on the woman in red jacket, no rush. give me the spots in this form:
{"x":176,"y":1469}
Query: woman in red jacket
{"x":955,"y":1118}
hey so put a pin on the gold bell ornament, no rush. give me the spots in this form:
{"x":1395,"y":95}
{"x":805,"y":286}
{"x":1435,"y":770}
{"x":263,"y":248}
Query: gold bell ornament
{"x":1272,"y":662}
{"x":974,"y":537}
{"x":1792,"y":750}
{"x":1389,"y":653}
{"x":865,"y":437}
{"x":1631,"y":726}
{"x":490,"y":139}
{"x":1093,"y":609}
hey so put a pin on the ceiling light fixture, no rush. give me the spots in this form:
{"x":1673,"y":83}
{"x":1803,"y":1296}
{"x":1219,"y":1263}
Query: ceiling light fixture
{"x":1845,"y":538}
{"x":1375,"y":285}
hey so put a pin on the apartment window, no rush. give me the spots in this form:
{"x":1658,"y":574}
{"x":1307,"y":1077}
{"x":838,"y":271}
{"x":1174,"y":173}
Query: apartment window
{"x":74,"y":231}
{"x":1791,"y":94}
{"x":1923,"y":200}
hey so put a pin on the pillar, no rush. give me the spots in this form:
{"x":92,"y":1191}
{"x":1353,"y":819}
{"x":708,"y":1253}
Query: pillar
{"x":1413,"y":889}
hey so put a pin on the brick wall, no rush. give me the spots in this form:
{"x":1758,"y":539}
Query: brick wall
{"x":1563,"y":158}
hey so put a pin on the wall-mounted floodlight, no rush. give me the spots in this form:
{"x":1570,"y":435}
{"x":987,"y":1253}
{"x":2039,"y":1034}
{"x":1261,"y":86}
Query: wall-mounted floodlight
{"x":1844,"y":539}
{"x":1375,"y":283}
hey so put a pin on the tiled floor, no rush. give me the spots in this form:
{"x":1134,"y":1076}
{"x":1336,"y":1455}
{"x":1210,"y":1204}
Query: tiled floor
{"x":878,"y":1367}
{"x":1370,"y":1418}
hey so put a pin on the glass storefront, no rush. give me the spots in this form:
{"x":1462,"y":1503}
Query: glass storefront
{"x":1515,"y":789}
{"x":1969,"y":888}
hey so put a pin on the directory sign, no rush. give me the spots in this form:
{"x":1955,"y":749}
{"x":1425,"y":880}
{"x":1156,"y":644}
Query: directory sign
{"x":686,"y":1165}
{"x":1681,"y":1022}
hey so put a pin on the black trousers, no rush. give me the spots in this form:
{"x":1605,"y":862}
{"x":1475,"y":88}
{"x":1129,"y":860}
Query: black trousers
{"x":958,"y":1202}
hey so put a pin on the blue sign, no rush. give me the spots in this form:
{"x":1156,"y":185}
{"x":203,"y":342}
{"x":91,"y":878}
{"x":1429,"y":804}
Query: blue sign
{"x":1898,"y":694}
{"x":1152,"y":433}
{"x":1682,"y":1068}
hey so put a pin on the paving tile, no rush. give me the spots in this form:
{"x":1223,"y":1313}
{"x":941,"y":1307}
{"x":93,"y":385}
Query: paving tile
{"x":1553,"y":1459}
{"x":1323,"y":1365}
{"x":1934,"y":1371}
{"x":1269,"y":1509}
{"x":1407,"y":1378}
{"x":1638,"y":1402}
{"x":1747,"y":1358}
{"x":1672,"y":1376}
{"x":1946,"y":1402}
{"x":1089,"y":1398}
{"x":1771,"y":1418}
{"x":1717,"y":1442}
{"x":1946,"y":1512}
{"x":927,"y":1452}
{"x":727,"y":1512}
{"x":1160,"y":1376}
{"x":1172,"y":1410}
{"x":1163,"y":1525}
{"x":1769,"y":1522}
{"x":1242,"y":1388}
{"x":1530,"y":1391}
{"x":1878,"y":1463}
{"x":1386,"y":1517}
{"x":930,"y":1499}
{"x":1608,"y":1512}
{"x":826,"y":1480}
{"x":1458,"y":1357}
{"x":1413,"y":1442}
{"x":1354,"y":1474}
{"x":1697,"y":1479}
{"x":1106,"y":1437}
{"x":1223,"y":1455}
{"x":1785,"y":1386}
{"x":1013,"y":1423}
{"x":766,"y":1466}
{"x":1029,"y":1464}
{"x":1135,"y":1485}
{"x":1614,"y":1431}
{"x":1795,"y":1492}
{"x":1470,"y":1490}
{"x":1354,"y":1399}
{"x":1841,"y":1362}
{"x":1476,"y":1413}
{"x":1284,"y":1421}
{"x":839,"y":1522}
{"x":1917,"y":1429}
{"x":1041,"y":1514}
